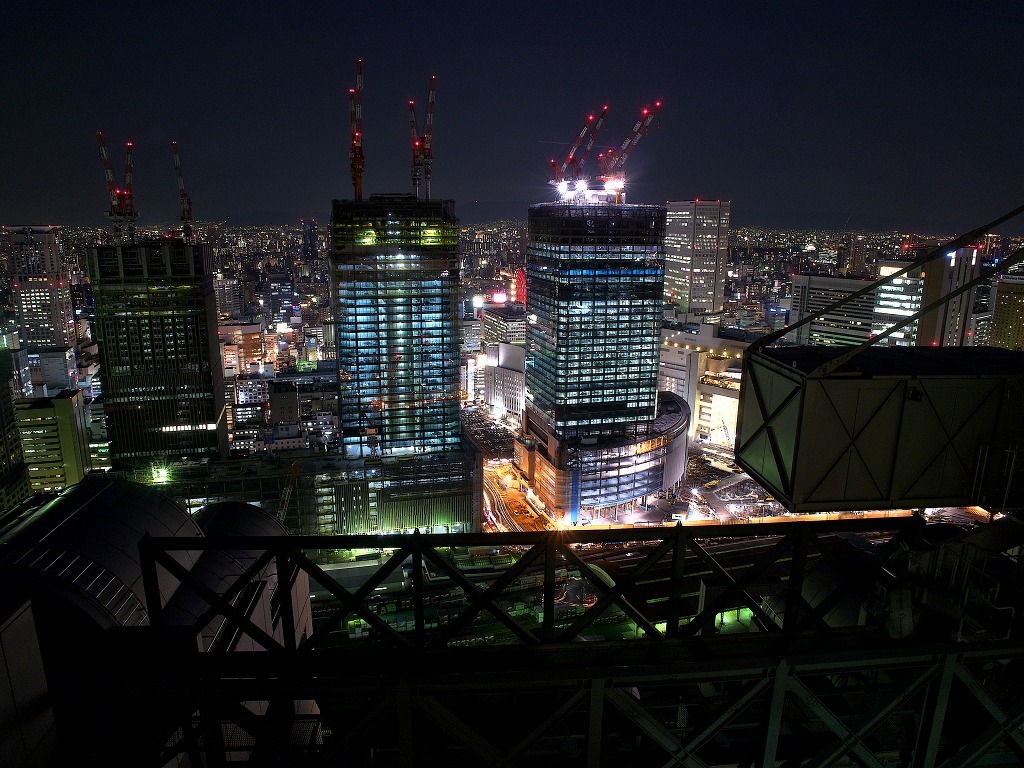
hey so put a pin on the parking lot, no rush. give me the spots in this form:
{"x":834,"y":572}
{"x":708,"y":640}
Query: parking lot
{"x":492,"y":439}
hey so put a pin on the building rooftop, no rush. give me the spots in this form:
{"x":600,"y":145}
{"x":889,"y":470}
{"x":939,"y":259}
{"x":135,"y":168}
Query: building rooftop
{"x":954,"y":362}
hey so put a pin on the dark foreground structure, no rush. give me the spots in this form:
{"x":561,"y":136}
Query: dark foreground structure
{"x":871,"y":641}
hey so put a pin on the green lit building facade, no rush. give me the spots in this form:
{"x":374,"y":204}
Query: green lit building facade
{"x":394,"y":289}
{"x":156,"y":326}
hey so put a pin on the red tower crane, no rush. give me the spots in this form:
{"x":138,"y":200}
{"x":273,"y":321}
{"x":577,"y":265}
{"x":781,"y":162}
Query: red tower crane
{"x":122,"y":211}
{"x":417,"y":149}
{"x":129,"y":169}
{"x":571,"y":164}
{"x":427,"y":147}
{"x":612,"y":162}
{"x":422,"y":145}
{"x":355,"y":152}
{"x":186,"y":202}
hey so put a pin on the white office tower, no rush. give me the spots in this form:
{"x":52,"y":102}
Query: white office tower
{"x":40,"y":288}
{"x":696,"y":251}
{"x":948,"y":325}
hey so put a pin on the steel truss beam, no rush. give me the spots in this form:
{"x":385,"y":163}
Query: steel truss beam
{"x":782,"y":700}
{"x":792,"y":689}
{"x":672,"y":552}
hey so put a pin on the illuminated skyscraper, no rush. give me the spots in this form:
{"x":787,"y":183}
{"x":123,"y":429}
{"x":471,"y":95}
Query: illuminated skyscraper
{"x":1007,"y":328}
{"x":598,"y":435}
{"x":14,"y":484}
{"x":947,"y":326}
{"x":156,"y":326}
{"x":696,"y":255}
{"x":395,"y":282}
{"x":309,"y":238}
{"x":55,"y":439}
{"x":41,"y":289}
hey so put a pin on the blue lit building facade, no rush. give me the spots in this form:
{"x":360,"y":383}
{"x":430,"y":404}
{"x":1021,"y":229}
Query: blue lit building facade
{"x":395,"y":284}
{"x":597,"y":436}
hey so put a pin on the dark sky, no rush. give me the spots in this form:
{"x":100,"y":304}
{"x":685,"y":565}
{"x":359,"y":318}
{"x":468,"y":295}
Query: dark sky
{"x":883,"y":115}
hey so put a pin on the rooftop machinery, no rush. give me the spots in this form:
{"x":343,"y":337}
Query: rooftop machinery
{"x":569,"y":178}
{"x":122,"y":213}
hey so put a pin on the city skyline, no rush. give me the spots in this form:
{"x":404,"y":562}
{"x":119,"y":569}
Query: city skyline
{"x":861,"y":118}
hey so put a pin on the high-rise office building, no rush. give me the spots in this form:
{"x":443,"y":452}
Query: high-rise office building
{"x":41,"y":288}
{"x":947,"y":325}
{"x":156,"y":326}
{"x":895,"y":301}
{"x":696,"y":255}
{"x":854,"y":255}
{"x":55,"y":438}
{"x":395,"y":268}
{"x":598,"y":437}
{"x":309,"y":241}
{"x":1007,"y":325}
{"x":503,"y":325}
{"x":852,"y":323}
{"x":14,"y":485}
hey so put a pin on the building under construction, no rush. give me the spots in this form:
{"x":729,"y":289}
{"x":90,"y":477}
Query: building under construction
{"x":395,"y":286}
{"x":597,"y":435}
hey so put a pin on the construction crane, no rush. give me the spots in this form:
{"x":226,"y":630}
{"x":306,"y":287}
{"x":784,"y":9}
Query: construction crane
{"x":286,"y":494}
{"x":371,"y":430}
{"x":417,"y":146}
{"x":122,"y":211}
{"x":355,"y":152}
{"x":427,"y":148}
{"x":422,"y":153}
{"x":612,"y":162}
{"x":186,"y":202}
{"x":571,"y":164}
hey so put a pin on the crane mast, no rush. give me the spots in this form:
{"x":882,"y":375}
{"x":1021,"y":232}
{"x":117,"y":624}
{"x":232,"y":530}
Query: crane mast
{"x":129,"y":169}
{"x":122,"y":213}
{"x":571,"y":164}
{"x":422,"y":152}
{"x":417,"y":149}
{"x":183,"y":197}
{"x":612,"y":162}
{"x":108,"y":174}
{"x":355,"y":153}
{"x":427,"y":151}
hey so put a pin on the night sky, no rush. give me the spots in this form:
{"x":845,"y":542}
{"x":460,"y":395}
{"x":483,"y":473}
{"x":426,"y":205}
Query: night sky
{"x":865,"y":116}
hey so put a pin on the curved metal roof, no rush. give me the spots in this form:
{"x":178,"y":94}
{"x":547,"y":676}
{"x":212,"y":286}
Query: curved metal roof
{"x":83,"y":545}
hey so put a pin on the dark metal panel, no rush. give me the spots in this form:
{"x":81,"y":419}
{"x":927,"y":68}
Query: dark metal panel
{"x":893,"y":428}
